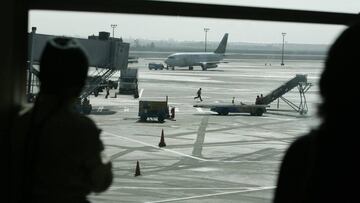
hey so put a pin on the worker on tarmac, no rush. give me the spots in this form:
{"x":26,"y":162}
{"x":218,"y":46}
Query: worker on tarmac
{"x":261,"y":99}
{"x":107,"y":91}
{"x":172,"y":116}
{"x":257,"y":101}
{"x":198,"y":94}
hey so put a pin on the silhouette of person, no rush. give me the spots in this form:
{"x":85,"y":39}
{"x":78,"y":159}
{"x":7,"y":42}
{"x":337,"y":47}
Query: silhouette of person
{"x":257,"y":100}
{"x":64,"y":159}
{"x":172,"y":110}
{"x":198,"y":93}
{"x":261,"y":99}
{"x":322,"y":166}
{"x":107,"y":91}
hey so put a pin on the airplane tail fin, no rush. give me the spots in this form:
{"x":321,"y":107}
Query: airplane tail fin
{"x":222,"y":46}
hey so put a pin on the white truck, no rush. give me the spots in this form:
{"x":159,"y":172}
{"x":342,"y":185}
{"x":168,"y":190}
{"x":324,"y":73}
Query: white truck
{"x":129,"y":82}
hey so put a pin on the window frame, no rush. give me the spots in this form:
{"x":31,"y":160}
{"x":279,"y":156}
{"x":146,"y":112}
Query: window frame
{"x":197,"y":10}
{"x":15,"y":15}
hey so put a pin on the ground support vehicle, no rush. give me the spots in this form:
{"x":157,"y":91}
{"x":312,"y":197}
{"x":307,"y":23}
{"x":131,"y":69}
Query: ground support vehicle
{"x":153,"y":110}
{"x":225,"y":109}
{"x":129,"y":82}
{"x":112,"y":84}
{"x":156,"y":66}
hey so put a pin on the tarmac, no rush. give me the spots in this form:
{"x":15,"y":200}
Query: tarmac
{"x":208,"y":157}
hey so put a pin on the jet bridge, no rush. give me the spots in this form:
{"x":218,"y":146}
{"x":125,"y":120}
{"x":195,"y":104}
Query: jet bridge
{"x":299,"y":81}
{"x":102,"y":51}
{"x":108,"y":55}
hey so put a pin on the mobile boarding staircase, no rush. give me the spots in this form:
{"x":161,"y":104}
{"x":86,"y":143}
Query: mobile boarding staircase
{"x":299,"y":81}
{"x":94,"y":82}
{"x":82,"y":104}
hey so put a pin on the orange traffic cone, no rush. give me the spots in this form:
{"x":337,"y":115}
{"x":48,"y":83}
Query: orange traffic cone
{"x":137,"y":170}
{"x":162,"y":139}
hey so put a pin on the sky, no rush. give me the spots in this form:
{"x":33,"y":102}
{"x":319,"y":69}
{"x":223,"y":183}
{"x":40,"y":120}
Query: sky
{"x":82,"y":24}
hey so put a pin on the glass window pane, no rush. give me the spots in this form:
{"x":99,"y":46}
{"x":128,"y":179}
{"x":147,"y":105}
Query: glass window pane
{"x":208,"y":157}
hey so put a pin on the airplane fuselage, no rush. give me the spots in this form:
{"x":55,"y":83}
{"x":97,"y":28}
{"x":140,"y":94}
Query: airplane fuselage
{"x":204,"y":59}
{"x":194,"y":59}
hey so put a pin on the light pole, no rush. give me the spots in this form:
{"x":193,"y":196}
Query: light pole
{"x":282,"y":53}
{"x":113,"y":26}
{"x":206,"y":30}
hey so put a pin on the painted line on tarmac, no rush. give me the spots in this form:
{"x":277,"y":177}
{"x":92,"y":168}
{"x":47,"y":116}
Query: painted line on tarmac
{"x":215,"y":194}
{"x":140,"y":94}
{"x":279,"y":119}
{"x":100,"y":109}
{"x":199,"y":110}
{"x":262,"y":162}
{"x":189,"y":156}
{"x":198,"y":145}
{"x":177,"y":188}
{"x":153,"y":146}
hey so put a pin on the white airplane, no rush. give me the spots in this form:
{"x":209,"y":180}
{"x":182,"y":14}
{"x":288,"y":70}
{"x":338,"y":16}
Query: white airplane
{"x":204,"y":59}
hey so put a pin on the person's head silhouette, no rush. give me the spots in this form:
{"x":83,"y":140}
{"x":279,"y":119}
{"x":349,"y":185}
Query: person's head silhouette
{"x":317,"y":165}
{"x":63,"y":68}
{"x":339,"y":80}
